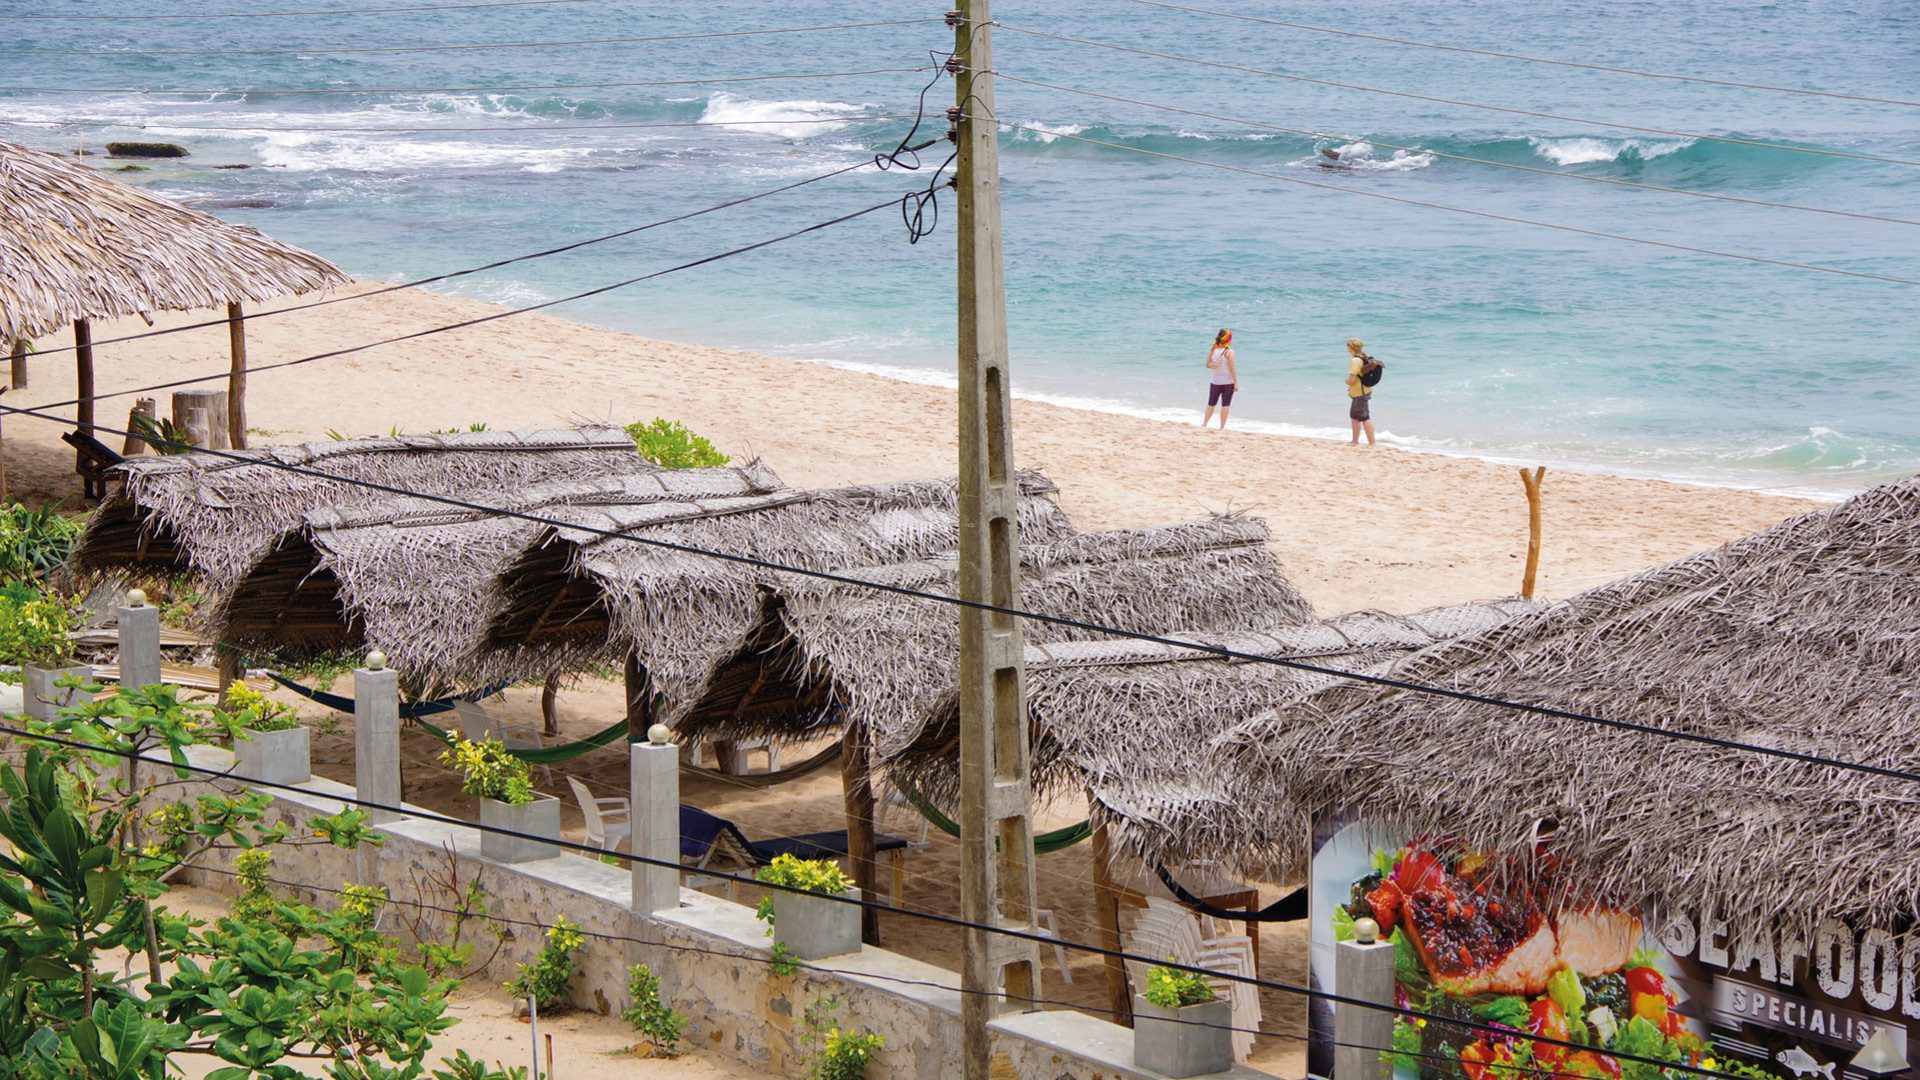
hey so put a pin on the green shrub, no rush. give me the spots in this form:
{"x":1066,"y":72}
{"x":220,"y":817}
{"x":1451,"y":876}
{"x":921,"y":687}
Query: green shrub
{"x":545,"y":979}
{"x":34,"y":628}
{"x":814,"y":875}
{"x":248,"y":708}
{"x":650,"y":1016}
{"x":489,"y":771}
{"x":33,"y":542}
{"x":837,"y":1053}
{"x":668,"y":443}
{"x":1170,"y":988}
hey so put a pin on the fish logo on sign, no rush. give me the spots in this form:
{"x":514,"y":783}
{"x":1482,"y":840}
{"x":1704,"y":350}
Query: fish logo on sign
{"x":1803,"y":1063}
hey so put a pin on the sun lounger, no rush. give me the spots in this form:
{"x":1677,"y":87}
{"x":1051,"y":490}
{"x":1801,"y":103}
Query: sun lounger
{"x":705,"y":837}
{"x":92,"y":460}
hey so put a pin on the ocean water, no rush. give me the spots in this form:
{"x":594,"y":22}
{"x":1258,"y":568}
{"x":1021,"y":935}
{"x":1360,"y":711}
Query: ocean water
{"x":1503,"y":340}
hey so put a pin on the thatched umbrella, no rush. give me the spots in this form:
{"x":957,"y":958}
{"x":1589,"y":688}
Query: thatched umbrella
{"x":1131,"y":724}
{"x":417,"y":578}
{"x":677,"y":614}
{"x":1803,"y":637}
{"x":76,"y":246}
{"x":218,"y":517}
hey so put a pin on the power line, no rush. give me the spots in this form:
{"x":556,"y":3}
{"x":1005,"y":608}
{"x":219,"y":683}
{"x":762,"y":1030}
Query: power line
{"x":839,"y":578}
{"x":1531,"y":59}
{"x":418,"y":282}
{"x":1222,"y":65}
{"x":1461,"y":157}
{"x":860,"y":901}
{"x":561,"y":128}
{"x":1488,"y":214}
{"x":330,"y":50}
{"x":244,"y":90}
{"x":290,"y":14}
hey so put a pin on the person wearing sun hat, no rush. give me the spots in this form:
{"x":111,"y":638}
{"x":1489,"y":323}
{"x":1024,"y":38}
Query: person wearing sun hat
{"x":1225,"y":380}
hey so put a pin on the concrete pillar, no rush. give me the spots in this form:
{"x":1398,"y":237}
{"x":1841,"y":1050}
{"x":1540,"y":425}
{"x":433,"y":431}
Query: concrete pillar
{"x":655,"y":793}
{"x":376,"y":735}
{"x":1363,"y":969}
{"x":139,"y":640}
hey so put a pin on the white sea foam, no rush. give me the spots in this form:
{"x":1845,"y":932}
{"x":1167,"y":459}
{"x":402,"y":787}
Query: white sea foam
{"x":797,"y":119}
{"x":1042,"y":133}
{"x":1359,"y":157}
{"x":1583,"y":150}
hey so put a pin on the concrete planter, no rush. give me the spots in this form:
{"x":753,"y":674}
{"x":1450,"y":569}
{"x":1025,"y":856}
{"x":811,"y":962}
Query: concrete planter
{"x":276,"y":757}
{"x":1172,"y":1042}
{"x":541,"y":817}
{"x":814,"y":927}
{"x":39,"y":689}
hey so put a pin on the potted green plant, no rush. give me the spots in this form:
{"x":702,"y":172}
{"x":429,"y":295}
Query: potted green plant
{"x":1180,"y":1027}
{"x":35,"y":636}
{"x":806,"y":925}
{"x":508,"y":801}
{"x":270,"y":744}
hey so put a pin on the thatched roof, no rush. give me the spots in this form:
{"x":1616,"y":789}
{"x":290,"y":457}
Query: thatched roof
{"x":218,"y":517}
{"x":884,"y":659}
{"x":1803,"y":637}
{"x":574,"y":597}
{"x":418,"y":579}
{"x":76,"y":245}
{"x":1134,"y":721}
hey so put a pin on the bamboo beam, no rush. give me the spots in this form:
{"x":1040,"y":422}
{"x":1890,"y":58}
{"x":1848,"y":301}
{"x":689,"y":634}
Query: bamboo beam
{"x":1106,"y":912}
{"x":1531,"y":481}
{"x":237,"y":381}
{"x":856,"y":786}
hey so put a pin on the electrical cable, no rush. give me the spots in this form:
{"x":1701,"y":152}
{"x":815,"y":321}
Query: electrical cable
{"x":1222,"y":65}
{"x":524,"y":129}
{"x":836,"y":577}
{"x":243,"y":90}
{"x":290,"y":14}
{"x":1470,"y":212}
{"x":1459,"y":157}
{"x":1031,"y":936}
{"x":328,"y":50}
{"x":1531,"y":59}
{"x":493,"y":316}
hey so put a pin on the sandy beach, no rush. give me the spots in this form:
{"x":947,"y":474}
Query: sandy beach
{"x":1379,"y":528}
{"x":1356,"y":528}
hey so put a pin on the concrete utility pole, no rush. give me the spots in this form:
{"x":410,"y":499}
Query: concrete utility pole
{"x":996,"y":802}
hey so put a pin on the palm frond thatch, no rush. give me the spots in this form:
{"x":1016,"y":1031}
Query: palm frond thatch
{"x":1135,"y":723}
{"x":575,"y":596}
{"x":1805,"y":637}
{"x":883,"y":659}
{"x":76,"y":245}
{"x":418,"y":579}
{"x":218,"y":517}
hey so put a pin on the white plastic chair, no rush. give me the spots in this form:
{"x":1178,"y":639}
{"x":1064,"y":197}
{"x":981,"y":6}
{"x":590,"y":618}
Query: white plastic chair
{"x":1043,"y":922}
{"x":477,"y":724}
{"x":1167,"y":930}
{"x":891,"y":797}
{"x":608,"y":821}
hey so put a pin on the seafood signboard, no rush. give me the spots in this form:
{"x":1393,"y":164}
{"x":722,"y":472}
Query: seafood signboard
{"x":1504,"y":973}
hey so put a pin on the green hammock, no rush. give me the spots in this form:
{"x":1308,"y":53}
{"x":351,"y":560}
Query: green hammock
{"x":1045,"y":843}
{"x":548,"y":755}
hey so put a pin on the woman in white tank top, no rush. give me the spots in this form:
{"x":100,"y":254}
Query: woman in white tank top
{"x":1225,"y":380}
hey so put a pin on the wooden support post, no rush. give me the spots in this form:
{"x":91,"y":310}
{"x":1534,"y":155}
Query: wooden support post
{"x":856,"y":786}
{"x":1531,"y":481}
{"x":134,"y":444}
{"x":237,"y":381}
{"x":550,"y":705}
{"x":639,"y":701}
{"x":83,"y":390}
{"x":996,"y":794}
{"x":228,"y":659}
{"x":1106,"y":913}
{"x":19,"y":363}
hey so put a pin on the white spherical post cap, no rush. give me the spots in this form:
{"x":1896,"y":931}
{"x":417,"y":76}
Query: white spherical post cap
{"x":376,"y":660}
{"x":136,"y":598}
{"x":658,"y":734}
{"x":1366,"y":931}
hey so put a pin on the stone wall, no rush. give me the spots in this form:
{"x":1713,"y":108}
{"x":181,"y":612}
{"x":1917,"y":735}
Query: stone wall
{"x":711,"y":955}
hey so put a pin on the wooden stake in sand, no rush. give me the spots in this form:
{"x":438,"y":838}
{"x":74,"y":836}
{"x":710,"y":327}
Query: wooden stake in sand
{"x":236,"y":419}
{"x":1530,"y":479}
{"x":19,"y":363}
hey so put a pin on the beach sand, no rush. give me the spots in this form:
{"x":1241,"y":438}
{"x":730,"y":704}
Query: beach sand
{"x":1356,"y":528}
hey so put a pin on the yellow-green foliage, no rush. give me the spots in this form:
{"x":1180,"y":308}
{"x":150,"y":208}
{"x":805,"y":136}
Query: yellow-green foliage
{"x":489,"y":771}
{"x":248,"y":708}
{"x":545,"y":979}
{"x":668,"y":443}
{"x":34,"y":541}
{"x":1171,"y":989}
{"x":33,"y":628}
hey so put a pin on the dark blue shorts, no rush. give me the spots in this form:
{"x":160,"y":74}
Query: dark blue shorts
{"x":1220,"y":394}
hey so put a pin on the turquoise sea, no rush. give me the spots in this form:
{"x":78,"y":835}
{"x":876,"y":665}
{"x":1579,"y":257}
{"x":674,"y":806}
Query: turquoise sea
{"x":1503,"y":340}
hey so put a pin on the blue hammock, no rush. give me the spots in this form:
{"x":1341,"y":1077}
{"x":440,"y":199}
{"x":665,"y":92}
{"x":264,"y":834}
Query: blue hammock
{"x":409,"y":709}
